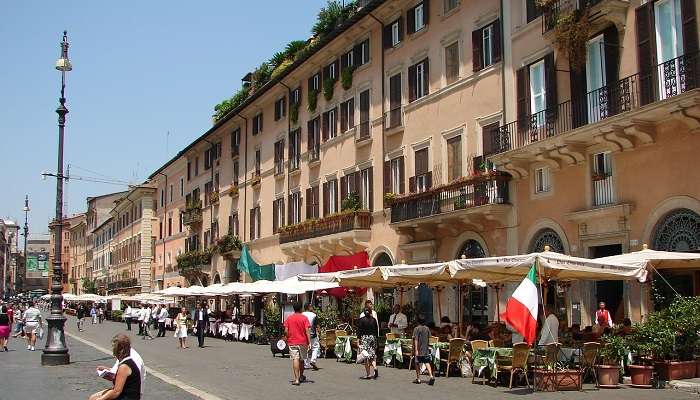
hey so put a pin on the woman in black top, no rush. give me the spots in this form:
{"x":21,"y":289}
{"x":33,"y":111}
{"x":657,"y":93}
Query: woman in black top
{"x":127,"y":381}
{"x":367,"y":328}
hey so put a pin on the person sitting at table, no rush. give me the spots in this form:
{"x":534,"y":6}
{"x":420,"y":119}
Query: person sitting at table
{"x":550,"y":328}
{"x":445,"y":330}
{"x":398,"y":321}
{"x":472,"y":332}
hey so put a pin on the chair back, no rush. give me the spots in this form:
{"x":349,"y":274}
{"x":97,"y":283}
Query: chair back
{"x":521,"y":352}
{"x":456,"y":349}
{"x":390,"y":336}
{"x":433,"y":340}
{"x":589,"y":354}
{"x":340,"y":332}
{"x":551,"y":353}
{"x":479,"y":344}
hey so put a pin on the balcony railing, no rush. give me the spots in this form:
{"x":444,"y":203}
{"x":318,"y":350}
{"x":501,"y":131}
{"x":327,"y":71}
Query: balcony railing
{"x":343,"y":222}
{"x":279,"y":167}
{"x":255,"y":178}
{"x":393,"y":118}
{"x":471,"y":192}
{"x":603,"y":189}
{"x":363,"y":131}
{"x":314,"y":153}
{"x":554,"y":10}
{"x":293,"y":162}
{"x":192,"y":215}
{"x":126,"y":283}
{"x":663,"y":81}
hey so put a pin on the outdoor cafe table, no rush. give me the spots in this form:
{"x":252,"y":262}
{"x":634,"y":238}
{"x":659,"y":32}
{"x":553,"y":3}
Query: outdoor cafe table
{"x":343,"y":348}
{"x":486,"y":358}
{"x":392,"y":348}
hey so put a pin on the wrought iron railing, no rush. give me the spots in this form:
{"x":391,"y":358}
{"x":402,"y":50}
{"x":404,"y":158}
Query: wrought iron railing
{"x":329,"y":225}
{"x":471,"y":192}
{"x":393,"y":118}
{"x":363,"y":131}
{"x":603,"y":190}
{"x":314,"y":153}
{"x":663,"y":81}
{"x":192,"y":216}
{"x":126,"y":283}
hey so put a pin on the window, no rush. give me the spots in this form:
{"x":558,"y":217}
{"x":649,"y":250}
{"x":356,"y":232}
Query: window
{"x":180,"y":223}
{"x":235,"y":142}
{"x":454,"y":158}
{"x":172,"y":189}
{"x":347,"y":115}
{"x":294,"y":208}
{"x":542,"y":180}
{"x":315,"y":83}
{"x":233,"y":224}
{"x":422,"y":180}
{"x":486,"y":45}
{"x":189,"y":170}
{"x":366,"y":188}
{"x":296,"y":96}
{"x":314,"y":139}
{"x":417,"y":17}
{"x":394,"y":175}
{"x":393,"y":34}
{"x":280,"y":108}
{"x":452,"y":63}
{"x":160,"y":230}
{"x":257,"y":124}
{"x":330,"y":197}
{"x":603,"y":188}
{"x":279,"y":157}
{"x":395,"y":114}
{"x":294,"y":149}
{"x":361,"y":53}
{"x":236,"y":172}
{"x":312,"y":203}
{"x":488,"y":135}
{"x":277,"y":214}
{"x":255,"y":223}
{"x":196,"y":166}
{"x":349,"y":185}
{"x":257,"y":162}
{"x":450,"y":5}
{"x":418,"y":80}
{"x":533,"y":10}
{"x":347,"y":60}
{"x":170,"y":226}
{"x":208,"y":189}
{"x":538,"y":91}
{"x":364,"y":114}
{"x":162,"y":197}
{"x":330,"y":126}
{"x":182,"y":187}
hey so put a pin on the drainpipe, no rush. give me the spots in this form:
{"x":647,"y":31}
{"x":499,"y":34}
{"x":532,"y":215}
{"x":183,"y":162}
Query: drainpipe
{"x":381,"y":160}
{"x":245,"y":177}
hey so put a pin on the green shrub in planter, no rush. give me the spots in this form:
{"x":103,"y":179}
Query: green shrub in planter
{"x":313,"y":100}
{"x":346,"y":77}
{"x":328,"y":85}
{"x":117,"y":315}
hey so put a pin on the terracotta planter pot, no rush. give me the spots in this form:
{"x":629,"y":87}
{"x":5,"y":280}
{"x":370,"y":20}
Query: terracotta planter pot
{"x":550,"y":381}
{"x":608,"y":376}
{"x":641,"y":375}
{"x":697,"y":367}
{"x":673,"y":370}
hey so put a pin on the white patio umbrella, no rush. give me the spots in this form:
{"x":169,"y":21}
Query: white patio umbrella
{"x":657,"y":259}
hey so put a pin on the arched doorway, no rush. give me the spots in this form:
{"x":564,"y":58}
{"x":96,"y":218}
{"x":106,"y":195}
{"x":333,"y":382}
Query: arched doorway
{"x":547,"y":237}
{"x":476,"y":298}
{"x":217,"y":279}
{"x":679,"y":230}
{"x":471,"y":249}
{"x":382,"y":260}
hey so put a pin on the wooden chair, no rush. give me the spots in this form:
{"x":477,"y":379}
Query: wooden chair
{"x":454,"y":355}
{"x":341,"y":332}
{"x":390,"y":336}
{"x":588,"y":359}
{"x":433,"y":340}
{"x":327,"y":341}
{"x":518,"y":363}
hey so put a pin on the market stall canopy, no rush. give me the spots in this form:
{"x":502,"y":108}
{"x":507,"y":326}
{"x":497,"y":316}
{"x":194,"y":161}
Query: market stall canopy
{"x":657,"y":259}
{"x":550,"y":266}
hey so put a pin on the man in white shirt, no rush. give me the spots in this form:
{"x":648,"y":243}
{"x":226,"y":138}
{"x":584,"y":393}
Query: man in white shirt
{"x":127,"y":317}
{"x":162,"y":315}
{"x":314,"y":347}
{"x":139,"y":317}
{"x":550,"y":328}
{"x":398,"y":321}
{"x":146,"y":321}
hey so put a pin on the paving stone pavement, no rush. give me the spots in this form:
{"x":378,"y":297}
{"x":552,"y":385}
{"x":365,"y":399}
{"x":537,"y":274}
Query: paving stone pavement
{"x":230,"y":370}
{"x":23,"y":377}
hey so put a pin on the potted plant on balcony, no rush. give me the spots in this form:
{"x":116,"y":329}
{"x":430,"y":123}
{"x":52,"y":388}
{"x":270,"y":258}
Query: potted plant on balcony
{"x":234,"y":189}
{"x":611,"y":354}
{"x":294,"y":112}
{"x":214,"y":197}
{"x":228,"y":244}
{"x":351,"y":202}
{"x":346,"y":77}
{"x":389,"y":199}
{"x":328,"y":85}
{"x":313,"y":100}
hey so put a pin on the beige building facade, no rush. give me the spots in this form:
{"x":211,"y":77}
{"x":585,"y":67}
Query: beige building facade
{"x":464,"y":131}
{"x":78,"y":267}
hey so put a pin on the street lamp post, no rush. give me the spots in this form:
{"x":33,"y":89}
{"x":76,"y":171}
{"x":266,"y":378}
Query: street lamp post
{"x":56,"y":350}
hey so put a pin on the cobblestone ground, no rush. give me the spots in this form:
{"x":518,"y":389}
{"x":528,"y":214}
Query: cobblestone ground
{"x":230,"y":370}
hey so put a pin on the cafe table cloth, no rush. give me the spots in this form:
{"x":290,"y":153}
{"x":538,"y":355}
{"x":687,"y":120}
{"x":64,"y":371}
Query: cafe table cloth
{"x":392,"y":348}
{"x":486,"y":358}
{"x":343,"y":349}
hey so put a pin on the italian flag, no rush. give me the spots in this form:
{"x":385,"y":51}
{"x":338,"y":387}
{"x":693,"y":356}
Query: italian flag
{"x":521,"y":309}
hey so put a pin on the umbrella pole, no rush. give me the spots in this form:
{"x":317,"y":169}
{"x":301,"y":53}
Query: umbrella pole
{"x":498,"y":303}
{"x":439,"y":289}
{"x":461,"y":308}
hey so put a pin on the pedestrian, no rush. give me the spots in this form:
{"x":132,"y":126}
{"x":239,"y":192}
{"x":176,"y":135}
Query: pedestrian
{"x":5,"y":325}
{"x":421,"y":352}
{"x":201,"y":320}
{"x":369,"y":305}
{"x":314,"y":346}
{"x":19,"y":320}
{"x":139,"y":317}
{"x":602,"y":317}
{"x":100,"y":314}
{"x":32,"y":324}
{"x":147,"y":314}
{"x":367,"y":328}
{"x":162,"y":316}
{"x":297,"y":331}
{"x":127,"y":379}
{"x":80,"y":315}
{"x":181,"y":328}
{"x":127,"y":316}
{"x":93,"y":314}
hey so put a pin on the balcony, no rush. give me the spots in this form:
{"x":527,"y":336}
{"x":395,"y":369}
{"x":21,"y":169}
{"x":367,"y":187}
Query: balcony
{"x":393,"y":121}
{"x":293,"y":163}
{"x":192,"y":215}
{"x":363,"y":131}
{"x":462,"y":199}
{"x":123,"y":284}
{"x":348,"y":230}
{"x":213,"y":197}
{"x":621,"y":116}
{"x":255,"y":178}
{"x":314,"y":154}
{"x":600,"y":12}
{"x":233,"y":191}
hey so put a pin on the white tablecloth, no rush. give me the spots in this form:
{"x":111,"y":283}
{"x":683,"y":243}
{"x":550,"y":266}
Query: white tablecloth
{"x":245,"y":331}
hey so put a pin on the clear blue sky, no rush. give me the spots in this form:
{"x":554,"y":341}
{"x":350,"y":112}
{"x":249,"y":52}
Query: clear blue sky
{"x":140,"y":69}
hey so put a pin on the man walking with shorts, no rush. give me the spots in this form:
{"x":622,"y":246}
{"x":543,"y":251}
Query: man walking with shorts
{"x":32,"y":324}
{"x":421,"y":350}
{"x":298,"y":334}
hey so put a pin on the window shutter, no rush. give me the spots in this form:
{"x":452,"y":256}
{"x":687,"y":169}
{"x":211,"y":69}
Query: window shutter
{"x":496,"y":41}
{"x":357,"y":54}
{"x":324,"y":128}
{"x":284,"y":107}
{"x":411,"y":21}
{"x":644,"y":15}
{"x":326,"y":202}
{"x":402,"y":175}
{"x":337,"y":200}
{"x":401,"y":29}
{"x":523,"y":95}
{"x":290,"y":206}
{"x":690,"y":28}
{"x":358,"y":183}
{"x":260,"y":125}
{"x":343,"y":188}
{"x":426,"y":76}
{"x":550,"y":76}
{"x":309,"y":203}
{"x":351,"y":113}
{"x":310,"y":84}
{"x":387,"y":177}
{"x":337,"y":69}
{"x":411,"y":83}
{"x":579,"y":98}
{"x":477,"y":52}
{"x":277,"y":111}
{"x":611,"y":43}
{"x":371,"y":188}
{"x":252,"y":223}
{"x":386,"y":37}
{"x":412,"y":184}
{"x":488,"y":134}
{"x":315,"y":210}
{"x":275,"y":219}
{"x":429,"y":180}
{"x":426,"y":11}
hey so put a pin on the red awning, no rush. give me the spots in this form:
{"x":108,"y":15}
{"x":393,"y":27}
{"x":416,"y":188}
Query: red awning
{"x":342,"y":263}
